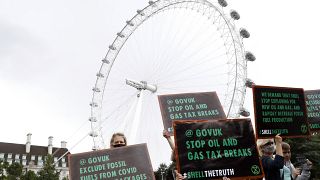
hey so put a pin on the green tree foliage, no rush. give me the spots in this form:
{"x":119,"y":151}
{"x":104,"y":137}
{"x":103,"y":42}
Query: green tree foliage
{"x":166,"y":171}
{"x":161,"y":172}
{"x":14,"y":170}
{"x":29,"y":175}
{"x":3,"y":167}
{"x":310,"y":148}
{"x":49,"y":171}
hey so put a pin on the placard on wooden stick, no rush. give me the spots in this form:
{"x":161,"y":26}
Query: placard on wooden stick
{"x":190,"y":106}
{"x":280,"y":110}
{"x":214,"y":149}
{"x":129,"y":162}
{"x":313,"y":109}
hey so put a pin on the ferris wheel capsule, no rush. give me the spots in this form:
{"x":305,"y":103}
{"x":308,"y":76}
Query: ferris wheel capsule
{"x":249,"y":83}
{"x":249,"y":56}
{"x":120,"y":35}
{"x":93,"y":119}
{"x":244,"y":112}
{"x":235,"y":15}
{"x":223,"y":3}
{"x":140,"y":12}
{"x":100,"y":75}
{"x":112,"y":47}
{"x":244,"y":33}
{"x":129,"y":23}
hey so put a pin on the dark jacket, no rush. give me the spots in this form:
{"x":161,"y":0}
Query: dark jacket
{"x":271,"y":167}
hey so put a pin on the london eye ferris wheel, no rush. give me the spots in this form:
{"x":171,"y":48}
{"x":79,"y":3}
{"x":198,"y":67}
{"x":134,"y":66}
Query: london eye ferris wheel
{"x":170,"y":46}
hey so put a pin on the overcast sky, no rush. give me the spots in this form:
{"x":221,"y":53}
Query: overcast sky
{"x":50,"y":52}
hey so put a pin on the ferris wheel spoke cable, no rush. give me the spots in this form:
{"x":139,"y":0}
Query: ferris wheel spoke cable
{"x":183,"y":47}
{"x":181,"y":75}
{"x":174,"y":34}
{"x":190,"y":56}
{"x":189,"y":43}
{"x":173,"y":81}
{"x":69,"y":149}
{"x":181,"y":60}
{"x":85,"y":122}
{"x":205,"y":87}
{"x":190,"y":66}
{"x":168,"y":76}
{"x":118,"y":108}
{"x":119,"y":122}
{"x":157,"y":61}
{"x":178,"y":42}
{"x":196,"y":35}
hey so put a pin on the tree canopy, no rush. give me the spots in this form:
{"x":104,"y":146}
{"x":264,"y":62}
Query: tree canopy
{"x":15,"y":171}
{"x":48,"y":172}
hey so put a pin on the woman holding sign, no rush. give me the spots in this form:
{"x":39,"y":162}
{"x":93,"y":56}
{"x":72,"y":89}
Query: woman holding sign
{"x":271,"y":165}
{"x":118,"y":140}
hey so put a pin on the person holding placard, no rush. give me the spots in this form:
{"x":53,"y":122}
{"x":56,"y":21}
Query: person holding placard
{"x":271,"y":165}
{"x":289,"y":172}
{"x":118,"y":140}
{"x":166,"y":135}
{"x":177,"y":175}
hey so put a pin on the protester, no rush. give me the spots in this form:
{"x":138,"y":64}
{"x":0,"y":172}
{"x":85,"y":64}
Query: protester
{"x":271,"y":165}
{"x":166,"y":135}
{"x":178,"y":176}
{"x":171,"y":174}
{"x":118,"y":140}
{"x":289,"y":172}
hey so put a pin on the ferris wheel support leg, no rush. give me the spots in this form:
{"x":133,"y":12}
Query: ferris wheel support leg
{"x":136,"y":119}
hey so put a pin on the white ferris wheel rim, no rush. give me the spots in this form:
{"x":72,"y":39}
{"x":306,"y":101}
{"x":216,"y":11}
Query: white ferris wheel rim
{"x":235,"y":85}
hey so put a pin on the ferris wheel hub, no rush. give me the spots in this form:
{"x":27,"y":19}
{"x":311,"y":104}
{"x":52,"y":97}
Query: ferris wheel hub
{"x":142,"y":85}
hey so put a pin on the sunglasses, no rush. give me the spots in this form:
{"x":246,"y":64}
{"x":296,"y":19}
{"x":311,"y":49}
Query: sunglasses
{"x":268,"y":143}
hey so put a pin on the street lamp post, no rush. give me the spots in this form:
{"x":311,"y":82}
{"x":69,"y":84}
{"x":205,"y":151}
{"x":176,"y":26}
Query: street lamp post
{"x":162,"y":173}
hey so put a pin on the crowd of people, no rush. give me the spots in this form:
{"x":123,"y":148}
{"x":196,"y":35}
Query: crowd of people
{"x":279,"y":166}
{"x":275,"y":156}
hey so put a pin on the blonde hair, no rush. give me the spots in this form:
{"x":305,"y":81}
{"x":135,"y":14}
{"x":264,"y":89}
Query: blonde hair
{"x":262,"y":142}
{"x":118,"y":134}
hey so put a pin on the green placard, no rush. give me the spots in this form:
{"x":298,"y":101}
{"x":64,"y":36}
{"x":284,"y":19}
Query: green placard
{"x":214,"y":149}
{"x":190,"y":106}
{"x":280,"y":110}
{"x":313,"y":109}
{"x":123,"y":163}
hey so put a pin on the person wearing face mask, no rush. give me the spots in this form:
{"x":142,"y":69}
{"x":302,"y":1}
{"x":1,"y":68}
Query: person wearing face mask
{"x":271,"y":164}
{"x":118,"y":140}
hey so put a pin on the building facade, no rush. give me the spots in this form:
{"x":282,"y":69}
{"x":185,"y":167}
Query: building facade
{"x":33,"y":157}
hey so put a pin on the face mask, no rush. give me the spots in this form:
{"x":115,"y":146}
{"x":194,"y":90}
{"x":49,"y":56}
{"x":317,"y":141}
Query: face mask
{"x":119,"y":145}
{"x":269,"y":149}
